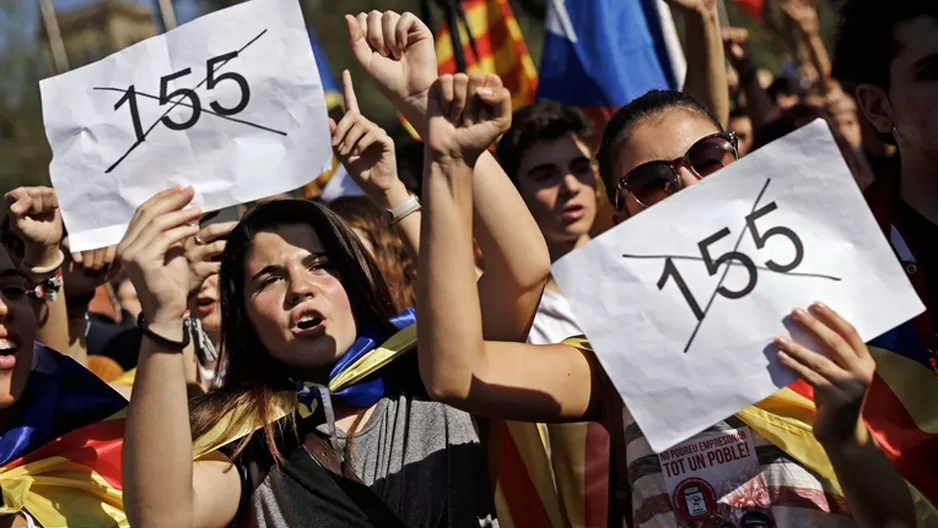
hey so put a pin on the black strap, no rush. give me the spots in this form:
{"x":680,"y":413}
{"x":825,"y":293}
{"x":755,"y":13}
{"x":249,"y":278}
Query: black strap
{"x":166,"y":342}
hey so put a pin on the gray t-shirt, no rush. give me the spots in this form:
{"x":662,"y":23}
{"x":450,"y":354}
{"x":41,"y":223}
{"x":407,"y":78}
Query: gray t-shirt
{"x":421,"y":460}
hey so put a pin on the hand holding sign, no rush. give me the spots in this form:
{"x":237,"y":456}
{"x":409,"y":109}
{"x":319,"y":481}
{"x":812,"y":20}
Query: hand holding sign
{"x":466,"y":114}
{"x":681,"y":302}
{"x":840,"y":378}
{"x":397,"y":52}
{"x":153,"y":255}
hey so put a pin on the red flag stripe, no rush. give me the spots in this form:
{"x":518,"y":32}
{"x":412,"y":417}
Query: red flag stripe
{"x":900,"y":437}
{"x":520,"y":493}
{"x":596,"y":476}
{"x":97,"y":446}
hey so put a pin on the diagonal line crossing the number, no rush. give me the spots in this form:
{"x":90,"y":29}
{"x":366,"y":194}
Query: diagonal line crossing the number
{"x":726,"y":272}
{"x":178,"y":102}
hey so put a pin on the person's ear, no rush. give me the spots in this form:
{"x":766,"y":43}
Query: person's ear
{"x":874,"y":103}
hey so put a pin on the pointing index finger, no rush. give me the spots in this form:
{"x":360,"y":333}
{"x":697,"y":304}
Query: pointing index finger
{"x":351,"y":101}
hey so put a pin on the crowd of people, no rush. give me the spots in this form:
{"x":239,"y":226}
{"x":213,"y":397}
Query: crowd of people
{"x":275,"y":373}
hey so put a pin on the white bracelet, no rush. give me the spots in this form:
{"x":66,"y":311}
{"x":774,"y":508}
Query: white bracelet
{"x":46,"y":270}
{"x":402,"y":210}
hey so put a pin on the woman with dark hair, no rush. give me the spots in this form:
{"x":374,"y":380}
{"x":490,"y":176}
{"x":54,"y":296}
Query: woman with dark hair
{"x":384,"y":246}
{"x":652,"y":147}
{"x":301,"y":300}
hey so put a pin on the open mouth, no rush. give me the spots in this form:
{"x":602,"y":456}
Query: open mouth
{"x":8,"y":349}
{"x":205,"y":305}
{"x":308,"y":324}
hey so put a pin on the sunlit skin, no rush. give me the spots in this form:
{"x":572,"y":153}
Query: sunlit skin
{"x":664,"y":136}
{"x":290,"y":285}
{"x":557,"y":180}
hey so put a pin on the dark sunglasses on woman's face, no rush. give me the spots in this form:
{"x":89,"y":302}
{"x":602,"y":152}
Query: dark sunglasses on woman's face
{"x":655,"y":180}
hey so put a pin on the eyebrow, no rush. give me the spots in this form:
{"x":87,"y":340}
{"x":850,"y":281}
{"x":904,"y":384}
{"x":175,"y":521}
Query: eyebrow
{"x":273,"y":268}
{"x":544,"y":166}
{"x":926,"y":61}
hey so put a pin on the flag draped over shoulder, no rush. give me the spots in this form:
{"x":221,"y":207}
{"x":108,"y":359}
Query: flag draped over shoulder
{"x":491,"y":43}
{"x":61,"y":459}
{"x":786,"y":419}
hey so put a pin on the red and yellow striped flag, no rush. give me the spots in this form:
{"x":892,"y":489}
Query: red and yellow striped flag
{"x":499,"y":49}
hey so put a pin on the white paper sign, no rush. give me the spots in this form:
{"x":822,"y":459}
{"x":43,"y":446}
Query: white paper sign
{"x":687,"y":343}
{"x":231,"y":103}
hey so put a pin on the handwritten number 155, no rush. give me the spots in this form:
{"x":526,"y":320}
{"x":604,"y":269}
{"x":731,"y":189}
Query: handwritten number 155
{"x":713,"y":265}
{"x":194,"y":103}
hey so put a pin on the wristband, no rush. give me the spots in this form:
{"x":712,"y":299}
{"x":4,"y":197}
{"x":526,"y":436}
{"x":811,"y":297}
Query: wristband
{"x":166,"y":342}
{"x":48,"y":290}
{"x":45,"y":270}
{"x":394,"y":215}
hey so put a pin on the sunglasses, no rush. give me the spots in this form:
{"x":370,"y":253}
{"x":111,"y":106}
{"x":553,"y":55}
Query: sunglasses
{"x":651,"y":182}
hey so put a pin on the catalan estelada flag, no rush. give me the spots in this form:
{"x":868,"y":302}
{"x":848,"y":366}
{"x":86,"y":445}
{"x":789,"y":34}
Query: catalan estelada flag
{"x":499,"y":48}
{"x":900,"y":409}
{"x":60,"y":462}
{"x":491,"y":43}
{"x":786,"y":419}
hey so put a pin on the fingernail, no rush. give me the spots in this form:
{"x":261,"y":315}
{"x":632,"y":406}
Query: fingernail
{"x":799,"y":313}
{"x":487,"y":92}
{"x":782,"y":341}
{"x":818,"y":305}
{"x":783,"y":356}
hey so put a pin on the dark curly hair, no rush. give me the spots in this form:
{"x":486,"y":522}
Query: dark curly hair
{"x":544,"y":120}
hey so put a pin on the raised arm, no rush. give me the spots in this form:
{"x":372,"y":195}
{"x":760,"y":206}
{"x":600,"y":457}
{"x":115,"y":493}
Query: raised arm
{"x":367,"y":151}
{"x":804,"y":14}
{"x":35,"y":219}
{"x":876,"y":492}
{"x":459,"y":367}
{"x":162,"y":485}
{"x":397,"y":52}
{"x":759,"y":106}
{"x":706,"y":64}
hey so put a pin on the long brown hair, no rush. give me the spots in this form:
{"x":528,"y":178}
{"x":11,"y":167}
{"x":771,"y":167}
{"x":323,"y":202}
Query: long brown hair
{"x":392,"y":259}
{"x":254,"y":381}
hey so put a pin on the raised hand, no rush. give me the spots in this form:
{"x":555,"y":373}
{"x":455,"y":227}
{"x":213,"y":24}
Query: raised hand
{"x":203,"y":252}
{"x":153,"y":254}
{"x":738,"y":51}
{"x":397,"y":52}
{"x":804,"y":14}
{"x":840,"y":379}
{"x":367,"y":152}
{"x":35,"y":218}
{"x":466,"y":114}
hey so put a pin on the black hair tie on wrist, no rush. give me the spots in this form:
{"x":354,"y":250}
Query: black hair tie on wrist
{"x":168,"y":343}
